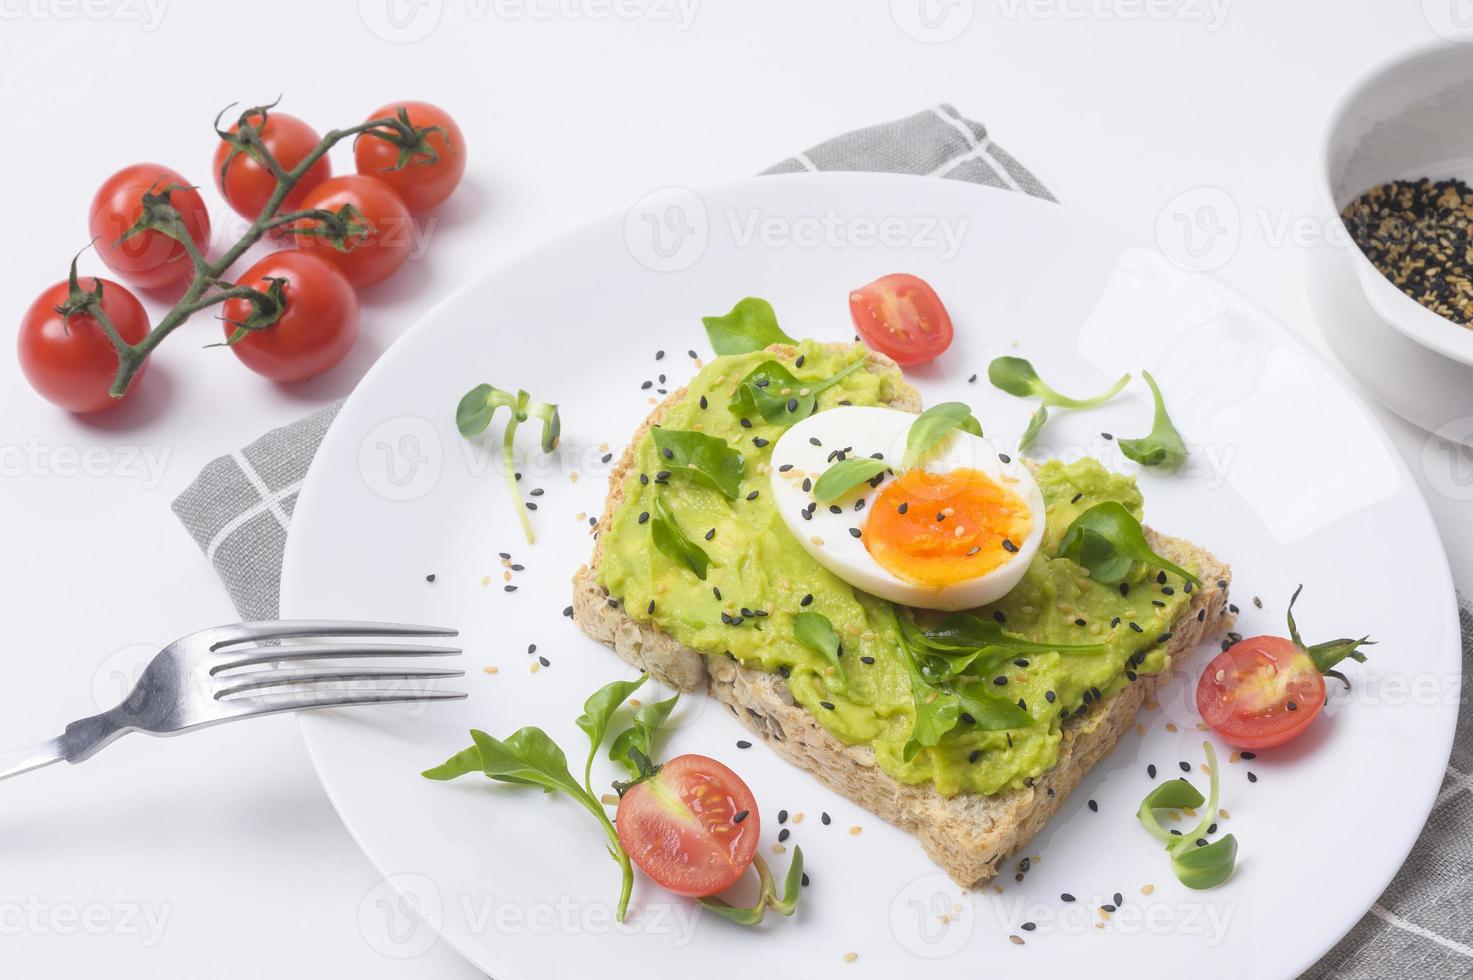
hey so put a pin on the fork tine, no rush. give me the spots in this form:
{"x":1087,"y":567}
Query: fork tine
{"x":296,"y":677}
{"x":247,"y":656}
{"x":284,"y":628}
{"x":254,"y":706}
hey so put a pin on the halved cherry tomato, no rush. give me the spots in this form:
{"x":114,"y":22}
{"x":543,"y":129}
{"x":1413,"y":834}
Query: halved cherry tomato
{"x":692,"y":827}
{"x":150,"y":259}
{"x":1264,"y":690}
{"x":1260,"y":692}
{"x":246,"y":183}
{"x":318,"y":324}
{"x":423,"y":175}
{"x":901,"y":316}
{"x":380,"y":231}
{"x":69,"y":360}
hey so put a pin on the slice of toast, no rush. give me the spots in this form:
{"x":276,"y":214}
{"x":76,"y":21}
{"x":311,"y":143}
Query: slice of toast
{"x":969,"y":835}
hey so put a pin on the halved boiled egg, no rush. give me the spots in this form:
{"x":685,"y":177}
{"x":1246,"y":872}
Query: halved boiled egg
{"x":955,"y":532}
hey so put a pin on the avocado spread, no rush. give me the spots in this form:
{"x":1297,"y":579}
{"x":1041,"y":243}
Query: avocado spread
{"x":760,"y":577}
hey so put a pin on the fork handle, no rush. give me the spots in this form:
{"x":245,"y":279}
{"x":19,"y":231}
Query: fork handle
{"x":31,"y":757}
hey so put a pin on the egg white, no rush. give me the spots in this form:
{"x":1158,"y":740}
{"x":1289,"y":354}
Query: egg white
{"x":865,"y":431}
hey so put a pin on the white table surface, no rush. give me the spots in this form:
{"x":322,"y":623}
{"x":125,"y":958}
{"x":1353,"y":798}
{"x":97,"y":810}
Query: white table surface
{"x":219,"y":854}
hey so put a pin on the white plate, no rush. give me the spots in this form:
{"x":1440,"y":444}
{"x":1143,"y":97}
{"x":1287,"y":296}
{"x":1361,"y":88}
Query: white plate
{"x":1292,"y":482}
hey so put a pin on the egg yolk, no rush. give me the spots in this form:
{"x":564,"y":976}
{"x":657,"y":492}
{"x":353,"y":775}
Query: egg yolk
{"x":941,"y":528}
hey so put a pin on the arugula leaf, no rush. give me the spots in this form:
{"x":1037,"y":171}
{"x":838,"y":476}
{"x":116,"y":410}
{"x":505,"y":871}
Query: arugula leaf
{"x":751,"y":325}
{"x":814,"y":631}
{"x":1036,"y":423}
{"x":474,"y":414}
{"x":990,"y":712}
{"x":845,"y":475}
{"x":671,"y":541}
{"x":962,"y":644}
{"x":704,"y":457}
{"x":933,"y":425}
{"x":1016,"y":376}
{"x":1107,"y":540}
{"x":1164,"y":446}
{"x":640,"y":737}
{"x":528,"y":757}
{"x":460,"y":764}
{"x":766,"y":894}
{"x":1196,"y":867}
{"x":772,"y":391}
{"x":594,"y":720}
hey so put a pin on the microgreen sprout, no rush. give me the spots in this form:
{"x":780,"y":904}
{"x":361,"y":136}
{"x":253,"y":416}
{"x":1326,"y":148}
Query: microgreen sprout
{"x":474,"y":414}
{"x":1017,"y":376}
{"x":1163,"y":447}
{"x":1195,"y":866}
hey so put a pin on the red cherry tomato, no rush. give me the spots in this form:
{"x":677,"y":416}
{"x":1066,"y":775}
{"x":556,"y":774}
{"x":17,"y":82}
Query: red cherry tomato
{"x":69,"y":360}
{"x":1261,"y":692}
{"x":692,"y":827}
{"x":429,"y":172}
{"x":901,"y":316}
{"x":316,"y":329}
{"x":247,"y":184}
{"x":381,"y":233}
{"x":150,"y":260}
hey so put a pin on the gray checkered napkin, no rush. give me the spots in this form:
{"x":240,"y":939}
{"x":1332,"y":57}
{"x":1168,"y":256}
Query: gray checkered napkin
{"x":239,"y":508}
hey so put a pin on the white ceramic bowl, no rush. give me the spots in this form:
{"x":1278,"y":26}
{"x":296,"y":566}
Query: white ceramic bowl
{"x":1405,"y":118}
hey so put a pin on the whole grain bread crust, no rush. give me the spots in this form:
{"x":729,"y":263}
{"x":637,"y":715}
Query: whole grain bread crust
{"x":969,"y":835}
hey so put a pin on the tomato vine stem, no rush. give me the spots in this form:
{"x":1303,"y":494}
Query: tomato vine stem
{"x":200,"y":295}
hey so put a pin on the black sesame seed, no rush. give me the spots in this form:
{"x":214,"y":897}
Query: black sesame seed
{"x":1136,"y":627}
{"x":704,"y":403}
{"x":1000,"y":681}
{"x":1250,"y":756}
{"x":813,"y":441}
{"x":644,"y":516}
{"x":975,"y":755}
{"x":1292,"y":706}
{"x":1027,"y":926}
{"x":1080,"y":622}
{"x":807,"y":484}
{"x":1252,"y":777}
{"x":1066,"y":897}
{"x":792,"y":405}
{"x":1151,"y":770}
{"x":783,"y":835}
{"x":807,"y":600}
{"x":743,"y":744}
{"x":905,"y":506}
{"x":746,"y":423}
{"x":531,"y":506}
{"x":866,"y":660}
{"x":430,"y":577}
{"x":785,"y":671}
{"x":1125,"y":588}
{"x":531,"y":648}
{"x":1119,"y":901}
{"x":854,"y":532}
{"x":835,"y":509}
{"x":509,"y":588}
{"x":1005,"y":457}
{"x":544,"y":661}
{"x":739,"y":816}
{"x":1049,"y":696}
{"x":606,"y":457}
{"x":800,"y":359}
{"x":651,"y":608}
{"x":716,"y":592}
{"x":1076,"y":498}
{"x":1008,"y":546}
{"x":1160,"y":578}
{"x":826,"y":705}
{"x":504,"y":556}
{"x":1107,"y":435}
{"x":644,"y":480}
{"x":825,"y":818}
{"x":752,"y":495}
{"x":1185,"y":766}
{"x":1094,"y":807}
{"x":1107,"y":908}
{"x":646,"y":386}
{"x":782,"y":816}
{"x":568,"y":611}
{"x":759,"y":442}
{"x":659,"y":355}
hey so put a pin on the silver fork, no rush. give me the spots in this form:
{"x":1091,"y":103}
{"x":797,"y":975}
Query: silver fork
{"x":196,"y":682}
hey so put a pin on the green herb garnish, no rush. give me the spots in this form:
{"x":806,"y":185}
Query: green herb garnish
{"x":845,"y":475}
{"x":634,"y":747}
{"x":751,"y":325}
{"x":1016,"y":376}
{"x":940,"y":706}
{"x":963,"y":644}
{"x":933,"y":425}
{"x":1196,"y":867}
{"x":1164,"y":446}
{"x":1036,"y":423}
{"x":671,"y":541}
{"x":1107,"y":541}
{"x":706,"y":458}
{"x":528,"y":757}
{"x":772,"y":391}
{"x":474,"y":414}
{"x":767,"y":893}
{"x":814,"y":631}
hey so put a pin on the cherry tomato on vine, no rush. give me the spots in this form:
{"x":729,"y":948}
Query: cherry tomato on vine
{"x":69,"y":360}
{"x":378,"y":232}
{"x":1265,"y":690}
{"x":692,"y":827}
{"x":423,"y":173}
{"x":318,"y":322}
{"x":246,"y":183}
{"x":150,"y":259}
{"x":901,"y":316}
